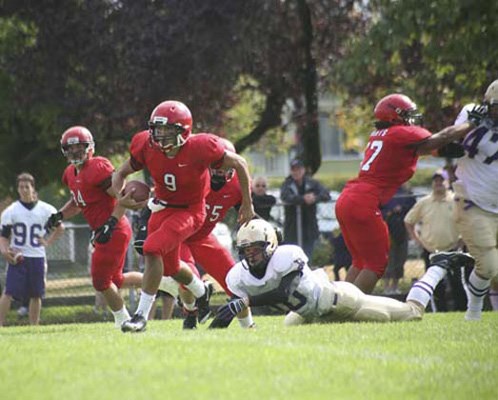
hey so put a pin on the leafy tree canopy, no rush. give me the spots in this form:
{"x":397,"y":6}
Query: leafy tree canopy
{"x":442,"y":54}
{"x":106,"y":64}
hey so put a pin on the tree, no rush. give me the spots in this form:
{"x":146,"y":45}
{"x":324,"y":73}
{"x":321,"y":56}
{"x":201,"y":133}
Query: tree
{"x":106,"y":64}
{"x":441,"y":53}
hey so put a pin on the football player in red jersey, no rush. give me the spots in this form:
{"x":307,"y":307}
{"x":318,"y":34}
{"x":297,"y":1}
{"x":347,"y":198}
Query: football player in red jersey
{"x":203,"y":247}
{"x":179,"y":164}
{"x":390,"y":160}
{"x":89,"y":181}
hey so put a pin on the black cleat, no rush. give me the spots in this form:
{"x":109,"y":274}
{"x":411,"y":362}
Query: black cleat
{"x":452,"y":260}
{"x":203,"y":310}
{"x":137,"y":323}
{"x":190,"y":321}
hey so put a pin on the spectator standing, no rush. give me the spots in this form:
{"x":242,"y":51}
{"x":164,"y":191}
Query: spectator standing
{"x":394,"y":213}
{"x":262,"y":201}
{"x":437,"y":232}
{"x":22,"y":231}
{"x":476,"y":197}
{"x":300,"y":193}
{"x":390,"y":160}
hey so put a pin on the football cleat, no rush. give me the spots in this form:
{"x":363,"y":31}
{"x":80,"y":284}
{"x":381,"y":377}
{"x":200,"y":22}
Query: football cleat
{"x":137,"y":323}
{"x":452,"y":260}
{"x":471,"y":315}
{"x":190,"y":321}
{"x":203,"y":309}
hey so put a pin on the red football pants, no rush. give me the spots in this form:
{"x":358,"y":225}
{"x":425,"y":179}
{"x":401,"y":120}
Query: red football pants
{"x":365,"y":232}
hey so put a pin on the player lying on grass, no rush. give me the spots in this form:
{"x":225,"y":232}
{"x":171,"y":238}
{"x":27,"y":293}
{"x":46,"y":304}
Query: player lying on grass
{"x":276,"y":275}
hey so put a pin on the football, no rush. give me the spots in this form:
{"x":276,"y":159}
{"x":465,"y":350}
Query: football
{"x":140,"y":191}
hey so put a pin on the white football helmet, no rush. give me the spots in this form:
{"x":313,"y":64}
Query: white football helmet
{"x":491,"y":100}
{"x":257,"y":233}
{"x":491,"y":95}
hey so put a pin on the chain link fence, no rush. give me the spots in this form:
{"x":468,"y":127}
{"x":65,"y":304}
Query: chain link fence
{"x":69,"y":282}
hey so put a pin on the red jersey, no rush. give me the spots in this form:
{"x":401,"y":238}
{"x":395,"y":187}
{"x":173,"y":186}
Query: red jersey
{"x":183,"y":179}
{"x":217,"y":205}
{"x":389,"y":160}
{"x":88,"y":188}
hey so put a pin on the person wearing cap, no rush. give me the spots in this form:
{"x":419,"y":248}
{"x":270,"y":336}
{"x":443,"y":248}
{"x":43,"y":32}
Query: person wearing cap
{"x":476,"y":197}
{"x":431,"y":225}
{"x":300,"y":193}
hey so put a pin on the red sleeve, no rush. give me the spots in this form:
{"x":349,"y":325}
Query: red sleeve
{"x":409,"y":135}
{"x":213,"y":150}
{"x":102,"y":172}
{"x":64,"y":176}
{"x":137,"y":149}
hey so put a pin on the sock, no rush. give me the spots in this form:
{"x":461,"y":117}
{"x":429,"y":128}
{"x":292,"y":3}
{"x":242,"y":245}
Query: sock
{"x":493,"y":298}
{"x":120,"y":316}
{"x":246,"y":322}
{"x":196,"y":287}
{"x":422,"y":290}
{"x":145,"y":304}
{"x":478,"y":288}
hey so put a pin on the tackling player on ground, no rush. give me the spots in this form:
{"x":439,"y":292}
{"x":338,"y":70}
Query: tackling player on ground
{"x":276,"y":275}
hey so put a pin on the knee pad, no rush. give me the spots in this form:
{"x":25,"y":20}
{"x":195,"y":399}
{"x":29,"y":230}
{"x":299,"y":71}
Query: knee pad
{"x":486,"y":262}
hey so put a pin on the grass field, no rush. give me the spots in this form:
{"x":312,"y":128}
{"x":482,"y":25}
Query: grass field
{"x":442,"y":357}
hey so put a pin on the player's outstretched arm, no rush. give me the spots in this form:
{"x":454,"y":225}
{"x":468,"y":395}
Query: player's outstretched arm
{"x":447,"y":135}
{"x":233,"y":160}
{"x":118,"y":183}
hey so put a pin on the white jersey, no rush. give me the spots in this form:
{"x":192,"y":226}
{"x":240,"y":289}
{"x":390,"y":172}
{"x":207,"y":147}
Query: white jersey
{"x":286,"y":259}
{"x":477,"y":171}
{"x":27,"y":226}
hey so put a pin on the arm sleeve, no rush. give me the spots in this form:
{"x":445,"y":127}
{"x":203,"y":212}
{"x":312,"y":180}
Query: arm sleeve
{"x":413,"y":216}
{"x":6,"y":231}
{"x":287,"y":285}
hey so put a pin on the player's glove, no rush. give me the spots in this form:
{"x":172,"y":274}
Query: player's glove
{"x":53,"y":221}
{"x":103,"y":234}
{"x":140,"y":237}
{"x":232,"y":308}
{"x":477,"y":114}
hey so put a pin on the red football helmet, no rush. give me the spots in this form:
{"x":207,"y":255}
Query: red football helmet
{"x":71,"y":140}
{"x":397,"y":109}
{"x":170,"y":125}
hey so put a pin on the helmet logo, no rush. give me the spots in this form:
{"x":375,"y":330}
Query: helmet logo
{"x":160,"y":120}
{"x":73,"y":140}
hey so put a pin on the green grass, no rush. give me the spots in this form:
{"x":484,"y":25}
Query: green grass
{"x":442,"y":357}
